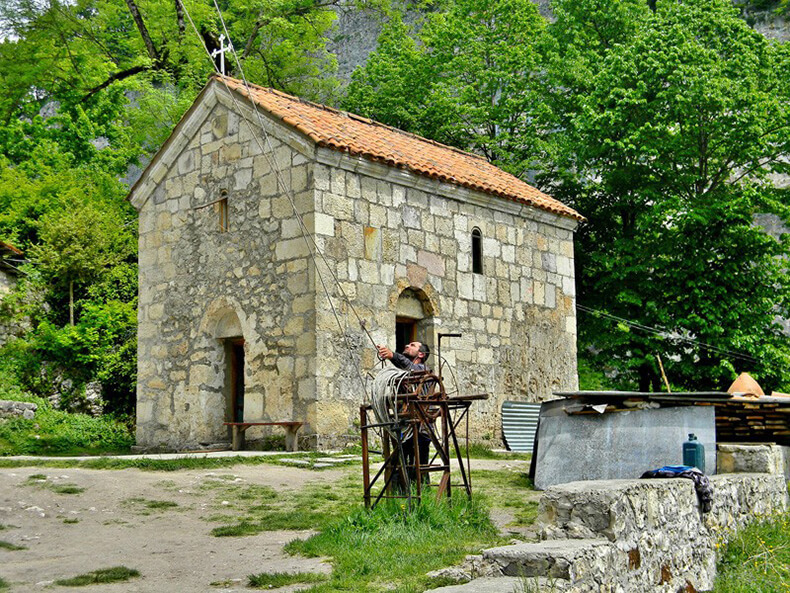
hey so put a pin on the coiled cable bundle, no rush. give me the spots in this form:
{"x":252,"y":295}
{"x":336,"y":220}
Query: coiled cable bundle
{"x":384,"y":399}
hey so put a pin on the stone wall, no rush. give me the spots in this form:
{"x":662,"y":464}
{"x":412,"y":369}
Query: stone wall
{"x":381,"y":231}
{"x":202,"y":286}
{"x":517,"y":318}
{"x":7,"y":282}
{"x":14,"y":409}
{"x":638,"y":536}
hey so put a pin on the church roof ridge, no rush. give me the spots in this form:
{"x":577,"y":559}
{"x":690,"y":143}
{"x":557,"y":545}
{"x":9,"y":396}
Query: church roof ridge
{"x":360,"y":136}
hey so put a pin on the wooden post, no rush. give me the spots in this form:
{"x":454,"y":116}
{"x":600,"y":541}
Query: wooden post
{"x":363,"y":423}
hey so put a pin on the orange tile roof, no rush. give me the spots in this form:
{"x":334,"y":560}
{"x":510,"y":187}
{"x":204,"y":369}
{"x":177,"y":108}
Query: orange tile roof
{"x":10,"y":249}
{"x":359,"y":136}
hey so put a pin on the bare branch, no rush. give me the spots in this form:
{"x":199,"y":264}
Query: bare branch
{"x":115,"y":77}
{"x":138,"y":20}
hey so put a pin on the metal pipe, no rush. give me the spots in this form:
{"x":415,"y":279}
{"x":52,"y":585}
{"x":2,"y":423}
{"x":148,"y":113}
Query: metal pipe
{"x":439,"y":348}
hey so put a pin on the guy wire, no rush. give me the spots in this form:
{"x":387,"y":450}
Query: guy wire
{"x":308,"y":237}
{"x":312,"y":246}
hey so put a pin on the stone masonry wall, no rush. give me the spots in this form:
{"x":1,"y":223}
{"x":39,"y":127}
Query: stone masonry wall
{"x":200,"y":286}
{"x":391,"y":233}
{"x":7,"y":282}
{"x":382,"y":230}
{"x":631,"y":536}
{"x":14,"y":409}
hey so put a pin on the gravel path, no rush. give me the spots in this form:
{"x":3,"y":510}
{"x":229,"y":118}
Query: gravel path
{"x":172,"y":547}
{"x":109,"y":524}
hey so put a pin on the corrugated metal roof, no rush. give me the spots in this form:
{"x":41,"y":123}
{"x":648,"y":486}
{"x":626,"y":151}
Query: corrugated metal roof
{"x":519,"y":423}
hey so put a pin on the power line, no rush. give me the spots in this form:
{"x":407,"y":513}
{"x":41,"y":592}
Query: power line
{"x":668,"y":335}
{"x":312,"y":246}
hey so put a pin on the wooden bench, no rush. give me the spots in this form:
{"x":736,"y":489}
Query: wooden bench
{"x":291,"y":430}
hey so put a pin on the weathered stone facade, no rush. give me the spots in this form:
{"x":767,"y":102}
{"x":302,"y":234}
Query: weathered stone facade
{"x":635,"y":536}
{"x":396,"y":243}
{"x":7,"y":282}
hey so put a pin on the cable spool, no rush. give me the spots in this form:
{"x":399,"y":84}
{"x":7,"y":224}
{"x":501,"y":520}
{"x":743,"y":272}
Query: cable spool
{"x":383,"y":398}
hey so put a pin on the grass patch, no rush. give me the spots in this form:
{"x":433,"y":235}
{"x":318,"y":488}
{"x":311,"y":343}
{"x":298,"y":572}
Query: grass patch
{"x":169,"y":465}
{"x":481,"y":451}
{"x":43,"y":481}
{"x":66,"y":489}
{"x":4,"y":586}
{"x":392,"y":548}
{"x":55,"y":432}
{"x":511,"y":490}
{"x":152,"y":504}
{"x":105,"y":575}
{"x":71,"y":521}
{"x":275,"y":580}
{"x":9,"y":546}
{"x":260,"y":508}
{"x":757,"y":558}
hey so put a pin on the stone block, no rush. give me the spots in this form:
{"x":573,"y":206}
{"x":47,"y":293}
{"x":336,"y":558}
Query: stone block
{"x":410,"y":217}
{"x":752,"y":458}
{"x":546,"y":559}
{"x":324,"y":224}
{"x":290,"y":228}
{"x":186,"y":162}
{"x":321,"y":177}
{"x":219,"y":125}
{"x":372,"y":239}
{"x":432,"y":262}
{"x":242,"y":179}
{"x":338,"y":206}
{"x":299,"y":178}
{"x":290,"y":249}
{"x":337,"y":178}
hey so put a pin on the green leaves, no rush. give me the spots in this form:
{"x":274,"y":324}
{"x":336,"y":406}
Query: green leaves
{"x":462,"y":80}
{"x":684,"y":118}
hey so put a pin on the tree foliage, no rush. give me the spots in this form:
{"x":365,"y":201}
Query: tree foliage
{"x":677,"y":128}
{"x":663,"y":123}
{"x":91,"y":90}
{"x":464,"y":79}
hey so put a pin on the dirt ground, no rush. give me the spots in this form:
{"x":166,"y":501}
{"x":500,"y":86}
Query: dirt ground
{"x":173,"y":549}
{"x":108,"y":524}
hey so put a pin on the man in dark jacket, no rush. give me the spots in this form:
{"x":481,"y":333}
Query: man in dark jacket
{"x":413,"y":358}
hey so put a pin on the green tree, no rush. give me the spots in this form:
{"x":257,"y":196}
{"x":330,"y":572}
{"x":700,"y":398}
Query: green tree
{"x":671,"y":126}
{"x":662,"y":123}
{"x":76,"y":246}
{"x":55,"y":49}
{"x":464,"y":79}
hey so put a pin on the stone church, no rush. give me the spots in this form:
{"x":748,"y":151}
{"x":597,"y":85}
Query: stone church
{"x":248,"y":311}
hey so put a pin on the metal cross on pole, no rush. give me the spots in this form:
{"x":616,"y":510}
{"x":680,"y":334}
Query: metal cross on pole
{"x":221,"y":52}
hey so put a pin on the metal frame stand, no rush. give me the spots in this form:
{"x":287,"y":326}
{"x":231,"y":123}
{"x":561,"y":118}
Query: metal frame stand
{"x":435,"y":415}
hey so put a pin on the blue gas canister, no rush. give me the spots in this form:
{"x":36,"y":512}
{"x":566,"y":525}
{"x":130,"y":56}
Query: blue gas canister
{"x":694,"y":453}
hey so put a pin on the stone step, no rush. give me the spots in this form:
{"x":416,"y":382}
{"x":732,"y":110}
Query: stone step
{"x":551,"y":558}
{"x":507,"y":585}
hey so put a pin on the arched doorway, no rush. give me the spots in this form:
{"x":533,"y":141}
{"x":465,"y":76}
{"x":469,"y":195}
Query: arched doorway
{"x":228,"y":332}
{"x":413,"y":319}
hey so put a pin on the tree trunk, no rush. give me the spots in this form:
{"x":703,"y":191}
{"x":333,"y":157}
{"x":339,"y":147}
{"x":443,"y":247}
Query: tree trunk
{"x":180,"y":19}
{"x":645,"y":378}
{"x":138,"y":20}
{"x":71,"y":302}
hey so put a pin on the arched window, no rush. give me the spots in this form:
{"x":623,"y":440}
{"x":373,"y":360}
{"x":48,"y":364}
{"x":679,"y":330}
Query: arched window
{"x":222,"y":211}
{"x":477,"y":251}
